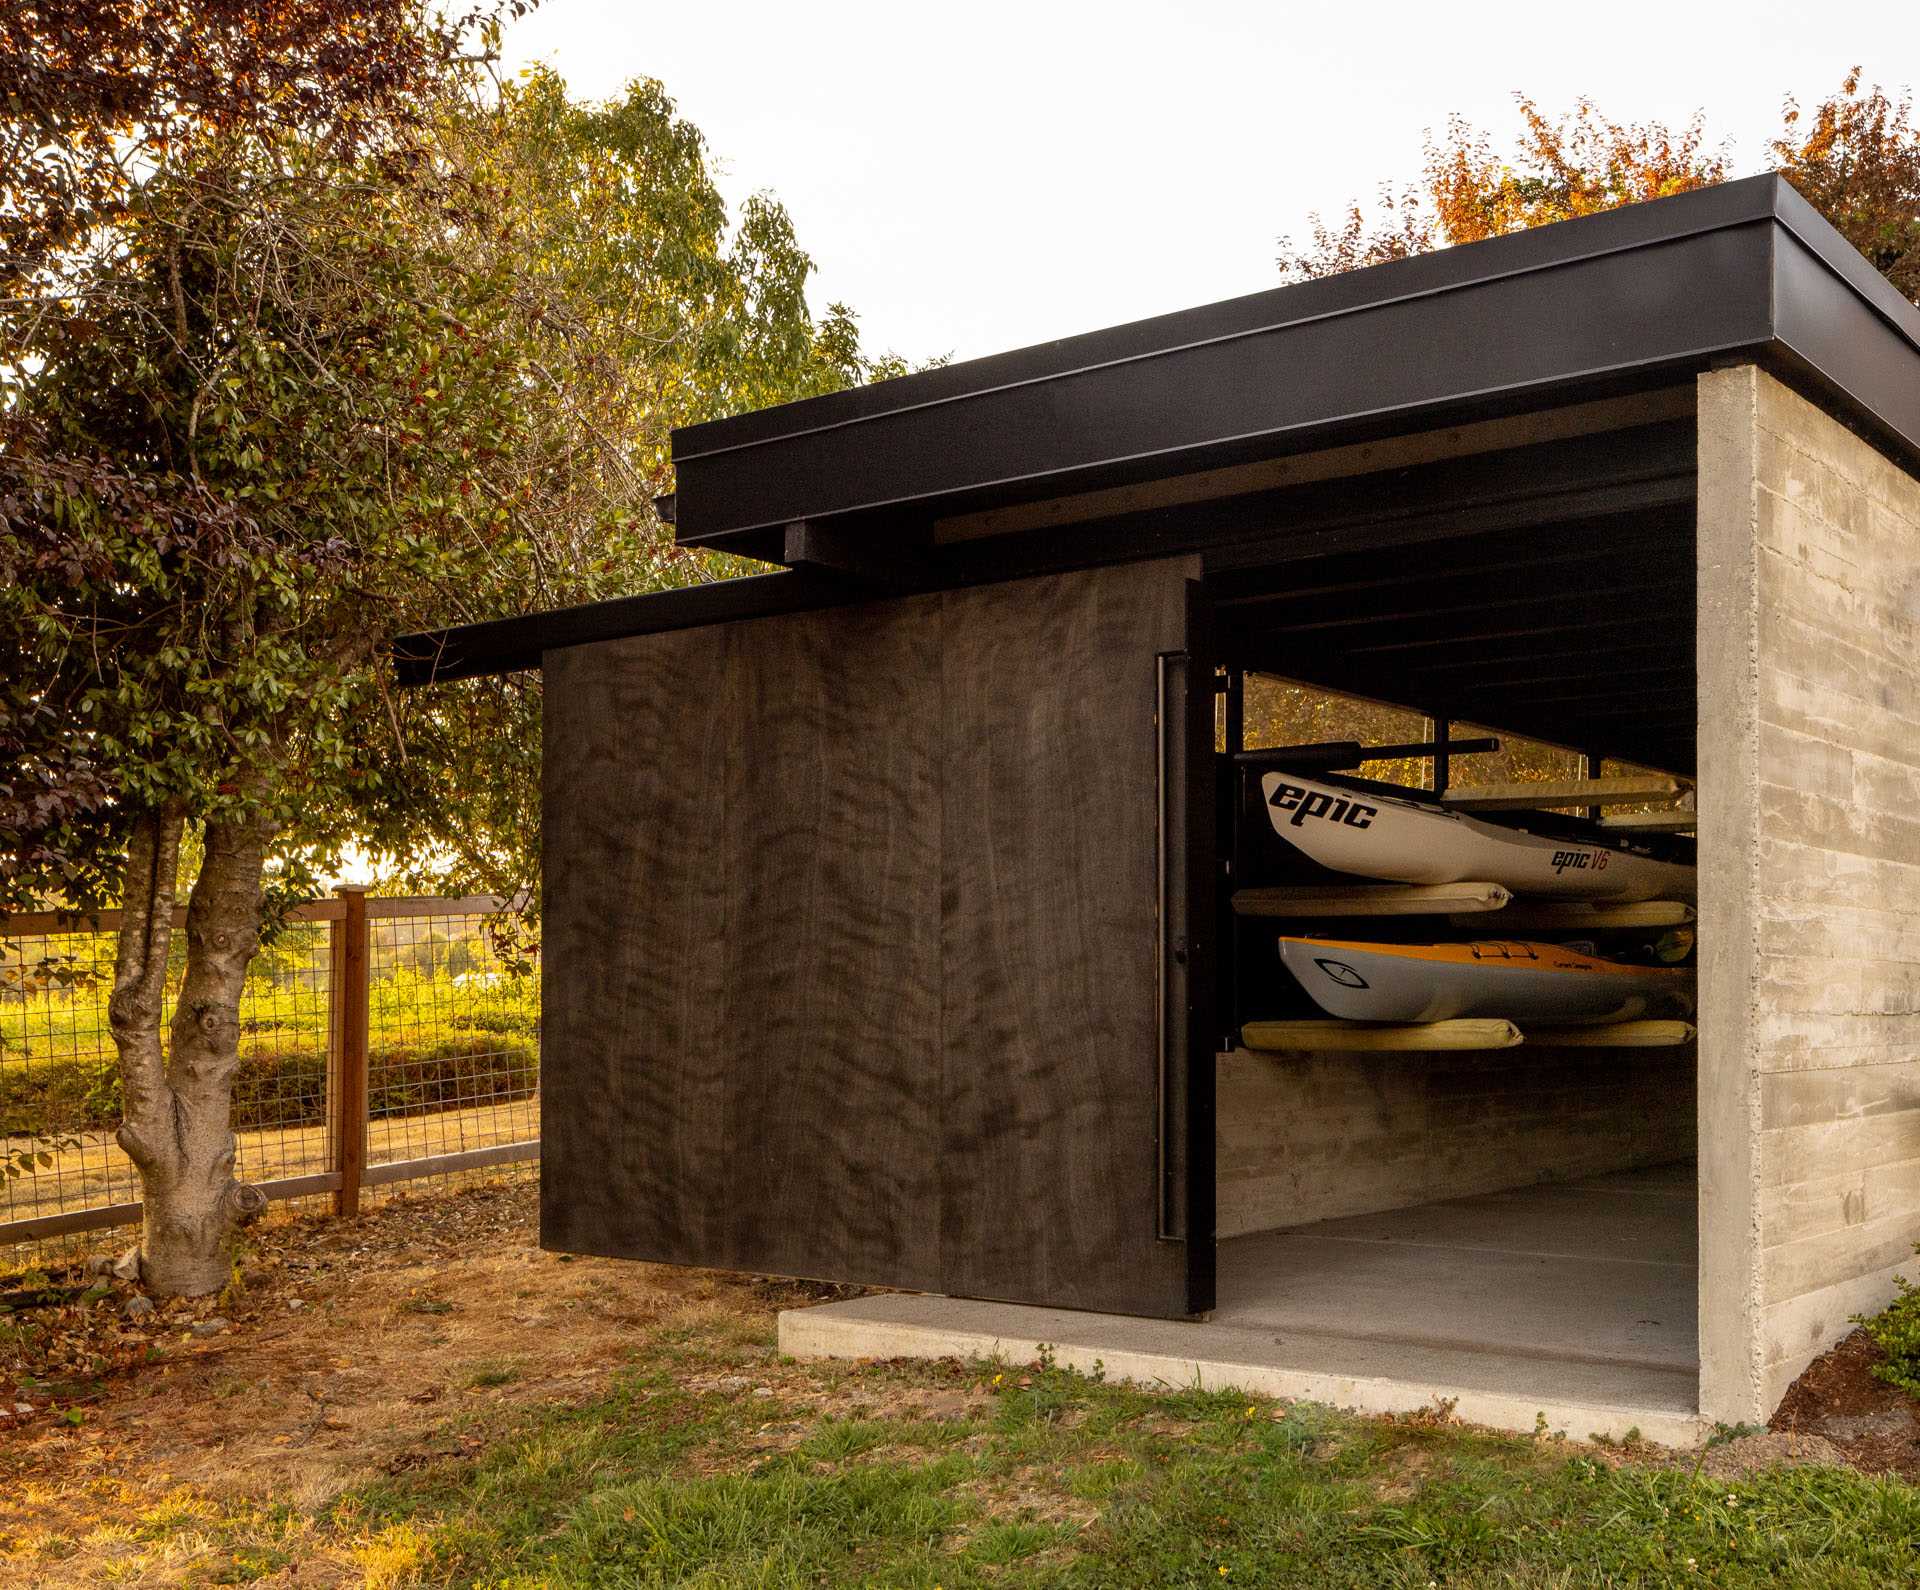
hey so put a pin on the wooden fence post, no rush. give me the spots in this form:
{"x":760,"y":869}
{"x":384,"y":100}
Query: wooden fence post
{"x":350,"y":972}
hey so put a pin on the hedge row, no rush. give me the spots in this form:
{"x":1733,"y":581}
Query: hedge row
{"x":285,"y":1088}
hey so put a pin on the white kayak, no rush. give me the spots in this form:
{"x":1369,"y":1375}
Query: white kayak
{"x":1378,"y":836}
{"x":1441,"y":982}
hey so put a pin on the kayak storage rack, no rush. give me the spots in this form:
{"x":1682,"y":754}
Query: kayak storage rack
{"x":1477,"y":909}
{"x":1478,"y":1032}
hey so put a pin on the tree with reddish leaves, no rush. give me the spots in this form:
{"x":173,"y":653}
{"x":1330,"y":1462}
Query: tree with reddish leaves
{"x":399,"y":347}
{"x":97,"y":94}
{"x":1855,"y":157}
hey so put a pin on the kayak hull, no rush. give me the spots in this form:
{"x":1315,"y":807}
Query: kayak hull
{"x":1443,"y":982}
{"x":1377,"y":836}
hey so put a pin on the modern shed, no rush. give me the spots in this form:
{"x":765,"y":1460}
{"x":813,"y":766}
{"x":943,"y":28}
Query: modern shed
{"x":885,"y":918}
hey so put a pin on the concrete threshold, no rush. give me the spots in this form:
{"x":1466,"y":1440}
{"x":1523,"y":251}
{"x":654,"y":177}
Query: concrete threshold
{"x":1508,"y":1390}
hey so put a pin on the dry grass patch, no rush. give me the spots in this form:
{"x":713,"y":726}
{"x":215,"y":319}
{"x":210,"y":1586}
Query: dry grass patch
{"x":356,"y":1351}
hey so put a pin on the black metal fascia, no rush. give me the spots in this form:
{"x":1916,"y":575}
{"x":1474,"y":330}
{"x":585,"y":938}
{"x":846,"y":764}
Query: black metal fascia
{"x":1605,"y":303}
{"x":1633,"y":297}
{"x":1843,"y":329}
{"x":506,"y":645}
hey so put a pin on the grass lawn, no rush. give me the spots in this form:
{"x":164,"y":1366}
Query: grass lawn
{"x":449,"y":1406}
{"x":1047,"y":1478}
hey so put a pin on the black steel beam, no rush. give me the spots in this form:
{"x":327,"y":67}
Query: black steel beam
{"x":1401,"y":649}
{"x":1444,"y":604}
{"x":824,"y":549}
{"x":1529,"y":652}
{"x":1447,"y":564}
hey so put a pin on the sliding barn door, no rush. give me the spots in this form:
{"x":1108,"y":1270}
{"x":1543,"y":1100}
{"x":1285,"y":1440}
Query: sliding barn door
{"x":1068,"y":1118}
{"x":741,"y":947}
{"x":865,"y":945}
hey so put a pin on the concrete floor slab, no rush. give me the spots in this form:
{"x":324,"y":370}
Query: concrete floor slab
{"x":1573,"y":1303}
{"x":1567,"y":1223}
{"x":1604,"y":1271}
{"x":1592,"y":1310}
{"x":1508,"y":1393}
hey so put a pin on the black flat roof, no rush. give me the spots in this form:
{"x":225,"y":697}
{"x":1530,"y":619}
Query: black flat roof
{"x":1629,"y":297}
{"x":1629,"y":301}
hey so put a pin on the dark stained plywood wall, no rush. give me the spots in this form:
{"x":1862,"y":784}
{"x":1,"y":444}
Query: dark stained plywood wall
{"x":850,"y":943}
{"x":741,"y":1013}
{"x":631,"y":971}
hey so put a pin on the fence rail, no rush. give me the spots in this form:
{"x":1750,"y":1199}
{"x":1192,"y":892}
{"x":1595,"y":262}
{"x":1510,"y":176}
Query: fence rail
{"x":388,"y":1040}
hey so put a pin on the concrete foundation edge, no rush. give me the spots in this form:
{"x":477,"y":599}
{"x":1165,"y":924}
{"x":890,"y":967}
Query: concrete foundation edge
{"x":821,"y":1333}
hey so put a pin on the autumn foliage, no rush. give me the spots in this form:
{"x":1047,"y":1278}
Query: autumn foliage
{"x":94,"y":92}
{"x":1855,"y":156}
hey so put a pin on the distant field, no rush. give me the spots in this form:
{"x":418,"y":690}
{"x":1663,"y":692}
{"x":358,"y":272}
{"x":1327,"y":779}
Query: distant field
{"x":95,"y":1171}
{"x":424,"y":990}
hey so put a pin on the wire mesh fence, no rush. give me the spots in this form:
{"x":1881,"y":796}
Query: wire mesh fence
{"x":57,"y":1094}
{"x":443,"y":1062}
{"x":454,"y":1040}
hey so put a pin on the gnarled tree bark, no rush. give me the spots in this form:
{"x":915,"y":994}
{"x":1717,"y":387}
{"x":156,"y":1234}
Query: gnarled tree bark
{"x":178,"y":1122}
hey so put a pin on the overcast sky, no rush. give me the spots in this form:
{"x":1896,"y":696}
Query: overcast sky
{"x":980,"y":176}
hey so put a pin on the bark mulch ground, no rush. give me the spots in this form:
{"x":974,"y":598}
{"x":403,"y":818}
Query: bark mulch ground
{"x":1876,"y":1426}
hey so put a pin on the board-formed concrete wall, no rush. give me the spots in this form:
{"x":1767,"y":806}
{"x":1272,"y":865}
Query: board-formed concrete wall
{"x":1319,"y":1136}
{"x":1809,"y":650}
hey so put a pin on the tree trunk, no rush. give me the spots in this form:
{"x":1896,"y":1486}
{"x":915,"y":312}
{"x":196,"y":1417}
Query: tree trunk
{"x":178,"y":1126}
{"x":140,"y":964}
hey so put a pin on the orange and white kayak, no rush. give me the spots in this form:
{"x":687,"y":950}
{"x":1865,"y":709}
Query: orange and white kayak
{"x":1439,"y":982}
{"x":1376,"y":836}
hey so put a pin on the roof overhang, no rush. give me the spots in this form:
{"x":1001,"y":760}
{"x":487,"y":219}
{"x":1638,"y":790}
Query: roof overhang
{"x":1534,"y":380}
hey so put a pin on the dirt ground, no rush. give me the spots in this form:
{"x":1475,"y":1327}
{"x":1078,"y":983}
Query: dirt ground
{"x":355,"y":1349}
